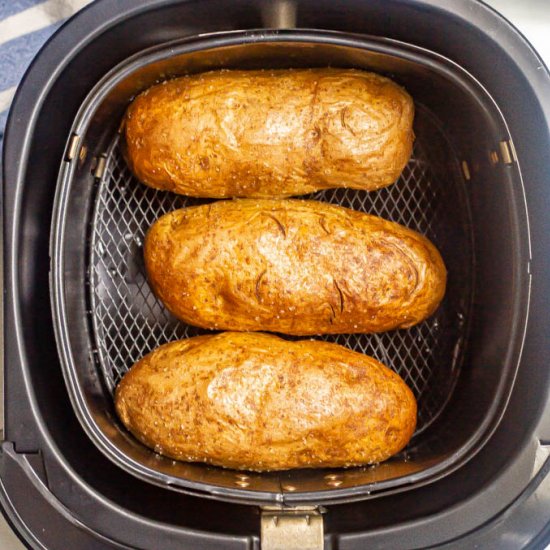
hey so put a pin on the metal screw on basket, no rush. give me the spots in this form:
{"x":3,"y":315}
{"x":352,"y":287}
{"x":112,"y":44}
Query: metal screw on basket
{"x":242,"y":483}
{"x":82,"y":154}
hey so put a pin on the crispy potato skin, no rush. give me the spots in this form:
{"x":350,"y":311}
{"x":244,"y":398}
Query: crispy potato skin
{"x":270,"y":133}
{"x":292,"y":266}
{"x":257,"y":402}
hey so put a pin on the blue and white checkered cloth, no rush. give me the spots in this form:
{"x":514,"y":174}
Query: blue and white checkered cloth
{"x":25,"y":25}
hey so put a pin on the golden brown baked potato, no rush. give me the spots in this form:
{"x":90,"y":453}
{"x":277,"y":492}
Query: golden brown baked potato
{"x":254,"y":401}
{"x":270,"y":133}
{"x":292,"y":266}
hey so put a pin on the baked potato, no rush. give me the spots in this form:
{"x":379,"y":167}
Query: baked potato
{"x":270,"y":133}
{"x":252,"y":401}
{"x":291,"y":266}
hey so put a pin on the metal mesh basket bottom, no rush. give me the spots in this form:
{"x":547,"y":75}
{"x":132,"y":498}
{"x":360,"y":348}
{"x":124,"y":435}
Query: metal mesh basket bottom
{"x":429,"y":197}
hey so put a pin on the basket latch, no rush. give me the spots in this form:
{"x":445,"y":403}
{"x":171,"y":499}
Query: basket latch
{"x":291,"y":528}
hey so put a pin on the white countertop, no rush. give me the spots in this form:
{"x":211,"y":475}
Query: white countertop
{"x":532,"y":18}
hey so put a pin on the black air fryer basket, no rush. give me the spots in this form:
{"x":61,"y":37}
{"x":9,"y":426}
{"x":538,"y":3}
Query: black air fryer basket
{"x":102,"y":213}
{"x":80,"y":309}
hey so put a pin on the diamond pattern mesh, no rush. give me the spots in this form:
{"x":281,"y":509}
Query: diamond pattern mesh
{"x":129,"y":321}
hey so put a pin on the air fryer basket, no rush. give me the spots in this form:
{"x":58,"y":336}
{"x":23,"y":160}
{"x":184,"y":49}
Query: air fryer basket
{"x":107,"y":317}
